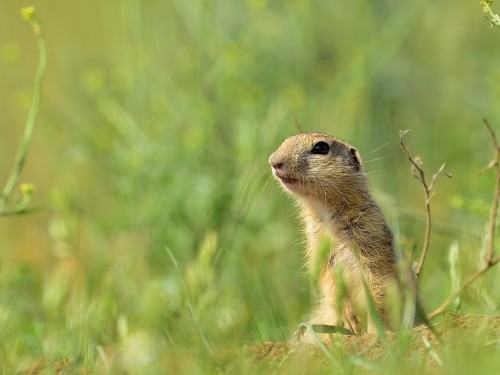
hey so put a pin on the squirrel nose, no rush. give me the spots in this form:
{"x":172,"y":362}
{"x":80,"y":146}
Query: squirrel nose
{"x":277,"y":165}
{"x":276,"y":160}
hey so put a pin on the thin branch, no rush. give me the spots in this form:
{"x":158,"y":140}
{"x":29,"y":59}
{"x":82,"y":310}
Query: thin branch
{"x":489,"y":260}
{"x":419,"y":174}
{"x":480,"y":272}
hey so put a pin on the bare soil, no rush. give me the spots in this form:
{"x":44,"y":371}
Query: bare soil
{"x":419,"y":341}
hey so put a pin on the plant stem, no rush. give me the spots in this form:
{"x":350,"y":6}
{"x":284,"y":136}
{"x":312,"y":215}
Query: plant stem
{"x":33,"y":111}
{"x":428,"y":219}
{"x":493,"y":18}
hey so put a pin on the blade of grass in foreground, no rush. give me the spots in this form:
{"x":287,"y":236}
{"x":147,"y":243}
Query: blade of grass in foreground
{"x":189,"y":305}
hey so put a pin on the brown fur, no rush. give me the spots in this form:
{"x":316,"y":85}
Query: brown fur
{"x":338,"y":207}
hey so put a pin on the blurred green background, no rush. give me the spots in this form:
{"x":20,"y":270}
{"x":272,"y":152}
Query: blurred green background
{"x":160,"y":222}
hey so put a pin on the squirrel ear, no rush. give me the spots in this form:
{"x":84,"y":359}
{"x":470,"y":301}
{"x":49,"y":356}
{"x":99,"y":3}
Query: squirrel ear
{"x":355,"y":159}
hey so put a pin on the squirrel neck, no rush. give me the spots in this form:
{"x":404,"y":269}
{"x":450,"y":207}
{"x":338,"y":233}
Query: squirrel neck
{"x":354,"y":222}
{"x":336,"y":212}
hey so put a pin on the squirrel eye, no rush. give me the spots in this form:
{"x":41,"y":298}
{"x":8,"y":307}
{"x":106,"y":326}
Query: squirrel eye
{"x":321,"y":148}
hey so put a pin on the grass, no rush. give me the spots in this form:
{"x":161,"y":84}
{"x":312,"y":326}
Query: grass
{"x":162,"y":240}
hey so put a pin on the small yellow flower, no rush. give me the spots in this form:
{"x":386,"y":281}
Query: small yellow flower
{"x":28,"y":13}
{"x":27,"y":189}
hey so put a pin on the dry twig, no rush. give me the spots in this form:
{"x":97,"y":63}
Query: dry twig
{"x":490,"y":260}
{"x":419,"y":174}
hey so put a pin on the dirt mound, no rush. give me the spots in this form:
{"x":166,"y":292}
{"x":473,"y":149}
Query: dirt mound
{"x":419,"y":342}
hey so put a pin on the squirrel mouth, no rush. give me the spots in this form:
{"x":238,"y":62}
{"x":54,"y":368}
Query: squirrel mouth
{"x":287,"y":180}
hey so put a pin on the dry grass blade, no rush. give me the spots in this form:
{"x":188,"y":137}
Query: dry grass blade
{"x":307,"y":327}
{"x":496,"y":194}
{"x":298,"y":125}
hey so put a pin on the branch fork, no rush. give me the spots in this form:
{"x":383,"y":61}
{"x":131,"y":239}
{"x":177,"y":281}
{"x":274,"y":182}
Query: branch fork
{"x":417,"y":167}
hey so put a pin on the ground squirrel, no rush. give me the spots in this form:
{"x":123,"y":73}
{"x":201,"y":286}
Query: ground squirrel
{"x":326,"y":176}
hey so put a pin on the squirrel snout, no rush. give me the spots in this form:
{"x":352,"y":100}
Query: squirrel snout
{"x":275,"y":161}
